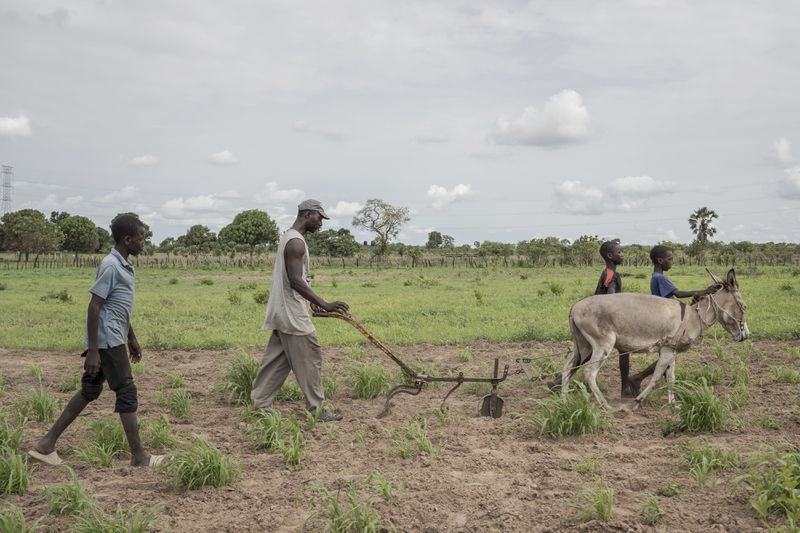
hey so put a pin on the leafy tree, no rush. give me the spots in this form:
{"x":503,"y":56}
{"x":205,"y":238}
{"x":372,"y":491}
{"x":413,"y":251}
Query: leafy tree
{"x":251,"y":228}
{"x":586,"y":248}
{"x":167,"y":246}
{"x":700,"y":223}
{"x":332,"y":243}
{"x":27,"y":231}
{"x":148,"y":233}
{"x":382,"y":219}
{"x":434,"y":240}
{"x":198,"y":239}
{"x":448,"y":241}
{"x":57,"y":216}
{"x":104,"y":240}
{"x":79,"y":234}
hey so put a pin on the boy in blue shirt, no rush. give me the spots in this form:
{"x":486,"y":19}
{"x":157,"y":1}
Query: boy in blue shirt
{"x":661,"y":285}
{"x":108,"y":328}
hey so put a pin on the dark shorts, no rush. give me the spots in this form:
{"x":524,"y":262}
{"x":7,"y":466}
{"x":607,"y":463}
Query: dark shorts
{"x":115,"y":368}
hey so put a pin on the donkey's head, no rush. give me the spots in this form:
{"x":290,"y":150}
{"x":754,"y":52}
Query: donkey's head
{"x":729,"y":306}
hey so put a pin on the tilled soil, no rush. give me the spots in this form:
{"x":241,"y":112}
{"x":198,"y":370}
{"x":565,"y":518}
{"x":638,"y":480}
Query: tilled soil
{"x":486,"y":475}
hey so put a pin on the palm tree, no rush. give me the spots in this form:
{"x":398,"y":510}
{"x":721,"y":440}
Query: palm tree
{"x":700,"y":223}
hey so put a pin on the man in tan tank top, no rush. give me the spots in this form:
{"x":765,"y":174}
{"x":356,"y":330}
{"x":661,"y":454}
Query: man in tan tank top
{"x":293,"y":344}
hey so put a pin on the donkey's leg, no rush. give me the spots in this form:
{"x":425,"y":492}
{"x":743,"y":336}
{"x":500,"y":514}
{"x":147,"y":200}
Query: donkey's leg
{"x":573,"y":361}
{"x":666,"y":357}
{"x":671,"y":379}
{"x":592,"y":368}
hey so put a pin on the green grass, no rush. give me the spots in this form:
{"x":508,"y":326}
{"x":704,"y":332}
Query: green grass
{"x":367,"y":381}
{"x":412,"y":439}
{"x":239,"y":376}
{"x":773,"y":479}
{"x":702,"y":459}
{"x":38,"y":405}
{"x":14,"y":475}
{"x":783,"y":374}
{"x":596,"y":503}
{"x":70,"y":384}
{"x":109,"y":442}
{"x":159,"y":433}
{"x":184,"y":315}
{"x":711,"y":374}
{"x":697,"y":409}
{"x":175,"y":380}
{"x":586,"y":467}
{"x":353,"y":516}
{"x":202,"y":464}
{"x":177,"y":401}
{"x":10,"y":434}
{"x":95,"y":520}
{"x":669,"y":489}
{"x":575,"y":414}
{"x":381,"y":484}
{"x":68,"y":499}
{"x":290,"y":392}
{"x":35,"y":371}
{"x":651,"y":512}
{"x":13,"y":521}
{"x":330,"y":385}
{"x":266,"y":429}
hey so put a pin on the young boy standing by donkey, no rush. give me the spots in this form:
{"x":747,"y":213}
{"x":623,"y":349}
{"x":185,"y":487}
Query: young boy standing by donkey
{"x":108,"y":328}
{"x":660,"y":284}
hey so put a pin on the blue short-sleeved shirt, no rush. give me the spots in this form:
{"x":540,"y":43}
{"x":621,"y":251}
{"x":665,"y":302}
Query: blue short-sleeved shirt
{"x":660,"y":285}
{"x":114,"y":283}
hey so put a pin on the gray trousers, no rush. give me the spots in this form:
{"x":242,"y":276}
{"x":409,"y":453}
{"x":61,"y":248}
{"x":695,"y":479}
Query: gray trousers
{"x":299,"y":353}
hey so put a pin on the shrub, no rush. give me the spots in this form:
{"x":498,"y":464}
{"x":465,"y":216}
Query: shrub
{"x":200,"y":465}
{"x":249,"y":286}
{"x":68,"y":499}
{"x":14,"y":476}
{"x":3,"y":286}
{"x":574,"y":414}
{"x":239,"y":377}
{"x":177,"y":401}
{"x":596,"y":503}
{"x":261,"y":296}
{"x":555,"y":287}
{"x":173,"y":281}
{"x":697,"y":408}
{"x":95,"y":520}
{"x":207,"y":282}
{"x":60,"y":296}
{"x":39,"y":406}
{"x":234,"y":296}
{"x":367,"y":381}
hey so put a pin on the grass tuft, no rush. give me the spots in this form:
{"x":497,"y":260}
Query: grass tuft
{"x":352,"y":516}
{"x":697,"y":408}
{"x":14,"y":475}
{"x":574,"y":414}
{"x":177,"y":401}
{"x":703,"y":459}
{"x":290,"y":392}
{"x":175,"y":380}
{"x":783,"y":374}
{"x":202,"y":464}
{"x":367,"y":381}
{"x":596,"y":503}
{"x":239,"y":377}
{"x":70,"y":384}
{"x":10,"y":436}
{"x":159,"y":433}
{"x":413,"y":439}
{"x":651,"y":511}
{"x":38,"y":406}
{"x":68,"y":499}
{"x":13,"y":521}
{"x":95,"y":520}
{"x":774,"y":479}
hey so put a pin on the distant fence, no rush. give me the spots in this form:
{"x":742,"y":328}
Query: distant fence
{"x":59,"y":261}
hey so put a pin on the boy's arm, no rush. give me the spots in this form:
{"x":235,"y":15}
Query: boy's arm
{"x":92,"y":362}
{"x":293,"y":258}
{"x":689,"y":294}
{"x":134,"y":350}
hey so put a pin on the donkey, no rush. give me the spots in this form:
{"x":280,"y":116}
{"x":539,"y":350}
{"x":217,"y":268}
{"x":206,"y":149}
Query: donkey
{"x":632,"y":322}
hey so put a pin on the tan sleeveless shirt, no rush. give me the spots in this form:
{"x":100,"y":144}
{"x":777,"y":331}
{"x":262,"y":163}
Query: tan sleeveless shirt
{"x":287,"y":311}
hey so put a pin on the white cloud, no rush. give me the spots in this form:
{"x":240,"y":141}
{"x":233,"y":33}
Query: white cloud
{"x":562,"y":120}
{"x":58,"y":16}
{"x":303,"y":127}
{"x":344,"y":209}
{"x":790,"y":185}
{"x":671,"y":236}
{"x":271,"y":192}
{"x":225,"y":157}
{"x":143,"y":161}
{"x":15,"y":126}
{"x":782,"y":150}
{"x":630,"y":192}
{"x":126,"y":194}
{"x":441,"y":197}
{"x":202,"y":209}
{"x":580,"y":199}
{"x":431,"y":139}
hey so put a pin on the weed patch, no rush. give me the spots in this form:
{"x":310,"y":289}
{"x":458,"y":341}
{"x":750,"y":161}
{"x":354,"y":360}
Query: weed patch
{"x":354,"y":515}
{"x":95,"y":520}
{"x":159,"y":433}
{"x":13,"y":521}
{"x":239,"y":378}
{"x":290,"y":392}
{"x":177,"y":401}
{"x":774,"y":480}
{"x":367,"y":381}
{"x":574,"y":414}
{"x":596,"y":503}
{"x":14,"y":476}
{"x":68,"y":499}
{"x":202,"y":464}
{"x":70,"y":384}
{"x":38,"y":406}
{"x":261,"y":296}
{"x":697,"y":409}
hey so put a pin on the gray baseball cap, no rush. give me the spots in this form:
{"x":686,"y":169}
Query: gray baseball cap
{"x":312,"y":205}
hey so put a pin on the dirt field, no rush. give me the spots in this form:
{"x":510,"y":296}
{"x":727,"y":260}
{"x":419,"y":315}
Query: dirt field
{"x":488,"y":475}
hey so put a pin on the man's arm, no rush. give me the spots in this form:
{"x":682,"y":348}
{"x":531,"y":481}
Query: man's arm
{"x":134,"y":350}
{"x":293,"y":259}
{"x":689,"y":294}
{"x":92,"y":363}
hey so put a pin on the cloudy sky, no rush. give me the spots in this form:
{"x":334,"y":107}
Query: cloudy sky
{"x":489,"y":120}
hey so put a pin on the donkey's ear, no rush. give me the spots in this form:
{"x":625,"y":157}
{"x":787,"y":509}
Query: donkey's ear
{"x":715,"y":278}
{"x":732,"y":279}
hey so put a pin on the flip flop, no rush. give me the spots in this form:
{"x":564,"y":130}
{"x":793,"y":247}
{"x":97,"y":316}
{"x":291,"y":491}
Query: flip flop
{"x":156,"y":460}
{"x":50,"y":458}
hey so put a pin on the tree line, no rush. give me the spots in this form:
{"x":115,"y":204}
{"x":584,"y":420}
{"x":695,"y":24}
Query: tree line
{"x":253,"y":232}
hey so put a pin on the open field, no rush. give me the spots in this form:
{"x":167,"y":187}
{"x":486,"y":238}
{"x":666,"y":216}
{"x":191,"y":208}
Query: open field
{"x":215,"y":309}
{"x":417,"y":469}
